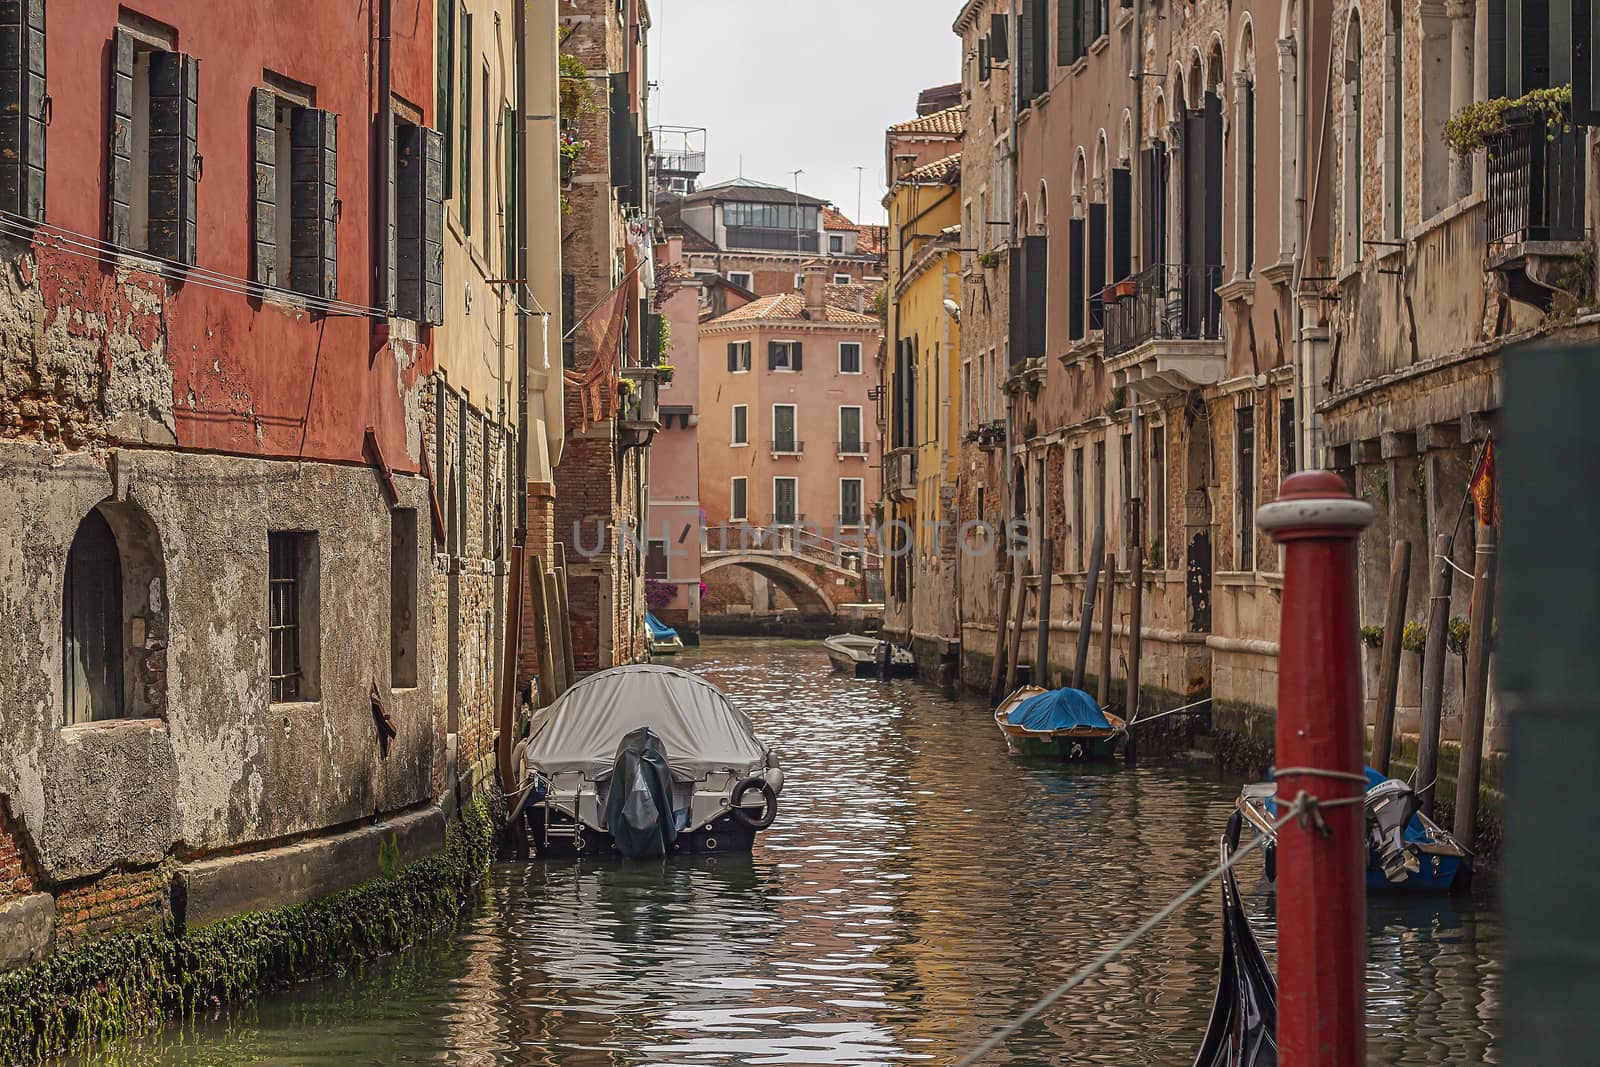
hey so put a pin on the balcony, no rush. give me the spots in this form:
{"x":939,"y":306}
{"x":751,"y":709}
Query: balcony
{"x":639,"y":410}
{"x":1535,"y":200}
{"x":851,"y":449}
{"x":1163,"y":329}
{"x":787,"y":446}
{"x":900,"y":475}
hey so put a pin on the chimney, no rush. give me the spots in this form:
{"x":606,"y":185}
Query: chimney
{"x":816,"y":284}
{"x":675,"y":249}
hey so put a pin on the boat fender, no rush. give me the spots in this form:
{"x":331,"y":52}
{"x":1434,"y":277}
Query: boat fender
{"x":769,"y":809}
{"x":1270,"y":858}
{"x":774,"y":777}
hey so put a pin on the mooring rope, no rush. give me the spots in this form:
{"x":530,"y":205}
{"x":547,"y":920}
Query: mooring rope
{"x":1304,"y":805}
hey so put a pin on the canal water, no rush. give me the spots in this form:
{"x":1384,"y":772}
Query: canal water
{"x":920,"y":887}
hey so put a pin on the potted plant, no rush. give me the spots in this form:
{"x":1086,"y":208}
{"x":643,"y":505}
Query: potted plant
{"x":1125,"y":288}
{"x":664,"y":372}
{"x":1408,"y":701}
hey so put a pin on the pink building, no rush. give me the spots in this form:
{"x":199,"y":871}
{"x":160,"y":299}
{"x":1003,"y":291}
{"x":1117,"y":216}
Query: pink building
{"x":672,"y":565}
{"x":787,"y":431}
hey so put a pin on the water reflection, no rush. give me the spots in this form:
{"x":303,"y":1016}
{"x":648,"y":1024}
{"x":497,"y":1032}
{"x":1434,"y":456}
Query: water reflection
{"x":919,"y":887}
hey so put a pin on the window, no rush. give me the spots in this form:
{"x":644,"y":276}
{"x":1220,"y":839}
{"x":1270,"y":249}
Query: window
{"x":799,"y":281}
{"x":1157,"y":494}
{"x":738,"y":356}
{"x":841,"y":279}
{"x":22,"y":108}
{"x":296,"y":177}
{"x":1078,"y":510}
{"x":1286,"y":439}
{"x":741,"y":424}
{"x":850,"y":357}
{"x":444,"y":103}
{"x":742,"y":278}
{"x":784,"y":494}
{"x":154,"y":175}
{"x":569,"y":318}
{"x":738,"y":508}
{"x":509,"y":154}
{"x":783,"y":422}
{"x":850,"y":443}
{"x":1350,"y":187}
{"x":850,"y":501}
{"x":403,"y":598}
{"x":655,"y":561}
{"x":91,"y":624}
{"x":464,"y":202}
{"x":778,"y":216}
{"x":487,"y":168}
{"x":1244,"y":430}
{"x":836,"y":244}
{"x":1100,"y":488}
{"x":783,"y":355}
{"x":419,"y":224}
{"x":292,"y":620}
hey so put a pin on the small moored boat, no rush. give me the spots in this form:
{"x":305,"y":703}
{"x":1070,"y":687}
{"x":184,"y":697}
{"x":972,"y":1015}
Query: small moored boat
{"x":858,"y":654}
{"x":1067,"y":723}
{"x":1406,"y":851}
{"x":664,"y":640}
{"x":644,"y":760}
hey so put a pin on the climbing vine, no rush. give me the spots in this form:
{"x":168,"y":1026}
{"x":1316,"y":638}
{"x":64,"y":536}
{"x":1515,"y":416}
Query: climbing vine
{"x":1478,"y":124}
{"x":128,"y":983}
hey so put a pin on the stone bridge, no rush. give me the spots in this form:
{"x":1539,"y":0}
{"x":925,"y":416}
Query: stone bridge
{"x":819,"y":574}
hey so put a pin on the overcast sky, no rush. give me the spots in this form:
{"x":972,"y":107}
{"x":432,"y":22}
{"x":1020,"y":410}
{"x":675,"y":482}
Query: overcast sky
{"x":808,"y":85}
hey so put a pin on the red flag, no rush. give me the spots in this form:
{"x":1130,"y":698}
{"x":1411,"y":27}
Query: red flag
{"x":605,"y":325}
{"x":1485,"y":494}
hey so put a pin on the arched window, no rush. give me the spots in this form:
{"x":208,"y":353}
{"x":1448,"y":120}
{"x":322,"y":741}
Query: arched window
{"x":1244,"y":103}
{"x":1350,"y":187}
{"x":1076,"y":249}
{"x":113,"y":617}
{"x":1288,"y":135}
{"x":1096,"y":257}
{"x":91,"y":624}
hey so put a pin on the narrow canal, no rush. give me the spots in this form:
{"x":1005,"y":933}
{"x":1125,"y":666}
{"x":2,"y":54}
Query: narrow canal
{"x":920,"y":886}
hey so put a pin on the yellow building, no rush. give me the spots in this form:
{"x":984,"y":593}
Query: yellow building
{"x":922,"y":404}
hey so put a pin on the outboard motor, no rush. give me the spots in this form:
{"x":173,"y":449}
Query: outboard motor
{"x":639,"y":804}
{"x":1390,"y":805}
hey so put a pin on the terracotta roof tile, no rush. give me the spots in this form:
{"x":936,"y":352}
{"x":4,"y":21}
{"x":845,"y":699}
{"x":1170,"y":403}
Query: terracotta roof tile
{"x":792,"y":306}
{"x":940,"y":170}
{"x":951,"y":121}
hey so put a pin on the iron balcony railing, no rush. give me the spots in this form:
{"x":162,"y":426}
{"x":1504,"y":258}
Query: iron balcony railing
{"x":788,"y":447}
{"x":1536,"y":181}
{"x":1167,"y":301}
{"x":856,"y":447}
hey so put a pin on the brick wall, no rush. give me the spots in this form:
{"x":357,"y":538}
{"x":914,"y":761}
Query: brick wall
{"x":114,"y":901}
{"x":17,"y":874}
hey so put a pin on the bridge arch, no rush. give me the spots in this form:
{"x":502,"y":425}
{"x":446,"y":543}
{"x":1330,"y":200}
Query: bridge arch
{"x":794,"y":579}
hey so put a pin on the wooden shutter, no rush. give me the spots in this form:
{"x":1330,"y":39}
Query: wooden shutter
{"x":313,"y":244}
{"x":999,"y":43}
{"x":435,"y":161}
{"x":1067,"y":26}
{"x":733,"y":356}
{"x":1018,"y":310}
{"x":444,"y":104}
{"x":510,"y":146}
{"x":1025,"y":34}
{"x":620,"y":133}
{"x":1585,"y":72}
{"x":1036,"y":253}
{"x":651,"y":354}
{"x":983,"y":59}
{"x":264,"y":220}
{"x":1121,"y":223}
{"x":410,"y":180}
{"x":1075,"y":276}
{"x":1213,"y":183}
{"x":174,"y":122}
{"x":22,"y":89}
{"x":119,"y":184}
{"x":772,"y":355}
{"x":1097,"y":265}
{"x":795,"y":355}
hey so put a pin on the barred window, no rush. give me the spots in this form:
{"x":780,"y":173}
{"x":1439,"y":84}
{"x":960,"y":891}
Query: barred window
{"x":292,"y":577}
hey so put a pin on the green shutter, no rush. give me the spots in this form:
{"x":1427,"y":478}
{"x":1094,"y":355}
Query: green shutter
{"x":264,"y":149}
{"x":510,"y":144}
{"x":119,"y":184}
{"x":313,"y":246}
{"x":464,"y":204}
{"x":174,"y":127}
{"x":419,"y":219}
{"x":444,"y":102}
{"x":22,"y":92}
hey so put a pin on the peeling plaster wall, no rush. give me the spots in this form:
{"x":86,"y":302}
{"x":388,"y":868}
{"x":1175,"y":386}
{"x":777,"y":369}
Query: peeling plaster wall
{"x":225,"y":767}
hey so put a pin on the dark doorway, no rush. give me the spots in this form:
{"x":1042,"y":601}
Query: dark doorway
{"x":91,"y":624}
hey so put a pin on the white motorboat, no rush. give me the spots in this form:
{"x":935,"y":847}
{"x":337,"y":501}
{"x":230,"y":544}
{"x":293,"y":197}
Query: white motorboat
{"x":860,"y":655}
{"x":644,"y":760}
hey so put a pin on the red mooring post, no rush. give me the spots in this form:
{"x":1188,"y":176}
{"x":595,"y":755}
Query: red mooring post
{"x":1322,"y":901}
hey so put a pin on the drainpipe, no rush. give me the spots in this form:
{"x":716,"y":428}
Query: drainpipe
{"x":519,"y":51}
{"x":385,"y":155}
{"x":1302,"y":360}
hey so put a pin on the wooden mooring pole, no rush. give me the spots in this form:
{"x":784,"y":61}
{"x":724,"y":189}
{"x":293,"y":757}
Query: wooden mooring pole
{"x":508,"y":664}
{"x":1433,"y":656}
{"x":1322,"y":905}
{"x":1014,"y":650}
{"x":1041,"y":645}
{"x":1389,"y":673}
{"x":1135,"y":642}
{"x":1080,"y":662}
{"x":1109,"y":597}
{"x":997,"y":669}
{"x":1479,"y":640}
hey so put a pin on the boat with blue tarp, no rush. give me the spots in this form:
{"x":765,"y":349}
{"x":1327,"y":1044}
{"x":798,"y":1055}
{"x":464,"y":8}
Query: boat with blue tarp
{"x":1407,"y":852}
{"x":664,"y":640}
{"x":1066,"y":723}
